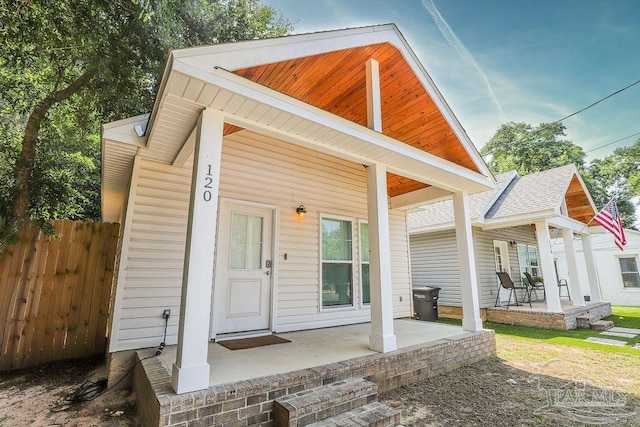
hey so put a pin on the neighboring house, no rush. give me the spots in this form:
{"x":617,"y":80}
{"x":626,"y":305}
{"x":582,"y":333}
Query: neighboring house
{"x":618,"y":271}
{"x":283,"y":169}
{"x":512,"y":227}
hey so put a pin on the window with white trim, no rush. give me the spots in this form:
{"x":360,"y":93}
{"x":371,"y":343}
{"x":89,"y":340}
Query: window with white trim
{"x":364,"y":263}
{"x":528,"y":260}
{"x":337,"y":262}
{"x":629,"y":271}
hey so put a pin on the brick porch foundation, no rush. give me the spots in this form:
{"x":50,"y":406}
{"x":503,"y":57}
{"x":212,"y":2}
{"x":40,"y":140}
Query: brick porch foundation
{"x":542,"y":319}
{"x":250,"y":402}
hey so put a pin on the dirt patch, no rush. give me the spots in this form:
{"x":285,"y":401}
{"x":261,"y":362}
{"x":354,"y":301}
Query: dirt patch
{"x":530,"y":384}
{"x":28,"y":396}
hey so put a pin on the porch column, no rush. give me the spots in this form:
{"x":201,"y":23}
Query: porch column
{"x":572,"y":263}
{"x":382,"y":338}
{"x":471,"y":320}
{"x":592,"y":274}
{"x":191,"y":370}
{"x":548,"y":269}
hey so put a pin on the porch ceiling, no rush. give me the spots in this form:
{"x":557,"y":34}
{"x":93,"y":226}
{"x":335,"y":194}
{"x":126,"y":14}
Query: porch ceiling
{"x":579,"y":204}
{"x":310,"y":90}
{"x":246,"y":104}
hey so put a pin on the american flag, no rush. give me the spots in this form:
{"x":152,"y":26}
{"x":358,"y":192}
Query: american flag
{"x":609,"y":218}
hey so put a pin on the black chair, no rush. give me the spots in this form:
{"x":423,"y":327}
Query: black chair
{"x":535,"y":286}
{"x":507,"y":283}
{"x":563,"y":284}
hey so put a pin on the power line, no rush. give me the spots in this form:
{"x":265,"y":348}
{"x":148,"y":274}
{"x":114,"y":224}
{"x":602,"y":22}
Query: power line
{"x":612,"y":142}
{"x":547,"y":125}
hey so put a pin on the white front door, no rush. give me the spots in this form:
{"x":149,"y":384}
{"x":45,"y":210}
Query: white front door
{"x":242,"y":284}
{"x":501,"y":252}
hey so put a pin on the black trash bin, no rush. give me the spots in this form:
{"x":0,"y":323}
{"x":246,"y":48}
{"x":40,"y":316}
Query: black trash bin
{"x":425,"y":303}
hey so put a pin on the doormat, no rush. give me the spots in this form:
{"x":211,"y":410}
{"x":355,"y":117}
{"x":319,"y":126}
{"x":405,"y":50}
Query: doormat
{"x":244,"y":343}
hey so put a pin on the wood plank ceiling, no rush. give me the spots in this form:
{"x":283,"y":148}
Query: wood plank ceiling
{"x":578,"y":206}
{"x":336,"y":82}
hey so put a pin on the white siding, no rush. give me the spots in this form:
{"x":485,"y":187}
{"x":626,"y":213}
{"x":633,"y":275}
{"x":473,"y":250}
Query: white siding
{"x":434,"y":262}
{"x":486,"y":265}
{"x":606,"y":256}
{"x":259,"y":170}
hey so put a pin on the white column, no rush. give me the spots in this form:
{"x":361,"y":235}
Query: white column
{"x":572,"y":263}
{"x":548,"y":269}
{"x":471,"y":320}
{"x":382,"y":337}
{"x":374,"y":103}
{"x":191,"y":370}
{"x":592,"y":274}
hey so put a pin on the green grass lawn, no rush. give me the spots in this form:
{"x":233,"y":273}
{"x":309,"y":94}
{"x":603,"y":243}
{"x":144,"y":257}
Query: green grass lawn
{"x":626,"y":317}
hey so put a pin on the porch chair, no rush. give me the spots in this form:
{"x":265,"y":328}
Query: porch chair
{"x":534,"y":287}
{"x":507,"y":283}
{"x":562,"y":283}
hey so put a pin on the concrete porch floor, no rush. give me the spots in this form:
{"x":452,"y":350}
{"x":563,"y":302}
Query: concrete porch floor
{"x":245,"y":383}
{"x":310,"y":348}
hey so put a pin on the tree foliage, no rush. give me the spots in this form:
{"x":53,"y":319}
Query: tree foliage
{"x":528,"y":149}
{"x":68,"y":65}
{"x":618,"y":175}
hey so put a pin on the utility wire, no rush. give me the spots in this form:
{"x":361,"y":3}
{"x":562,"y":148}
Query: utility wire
{"x":612,"y":142}
{"x":547,"y":125}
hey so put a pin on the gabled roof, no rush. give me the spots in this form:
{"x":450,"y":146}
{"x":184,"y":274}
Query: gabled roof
{"x":517,"y":200}
{"x":310,"y":90}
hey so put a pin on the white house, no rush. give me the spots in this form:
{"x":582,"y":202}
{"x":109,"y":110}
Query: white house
{"x":267,"y":189}
{"x":512,"y":228}
{"x":618,"y":271}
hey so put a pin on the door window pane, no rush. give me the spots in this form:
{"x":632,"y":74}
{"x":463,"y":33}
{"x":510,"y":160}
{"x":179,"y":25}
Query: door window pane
{"x":246,"y":242}
{"x":630,"y":273}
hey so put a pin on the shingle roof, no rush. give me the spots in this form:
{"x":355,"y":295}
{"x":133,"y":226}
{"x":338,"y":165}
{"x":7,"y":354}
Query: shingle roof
{"x":536,"y":192}
{"x":514,"y":195}
{"x":442,"y":212}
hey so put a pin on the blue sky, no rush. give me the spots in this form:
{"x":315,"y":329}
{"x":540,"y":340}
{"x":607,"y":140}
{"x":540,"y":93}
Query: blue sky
{"x":512,"y":60}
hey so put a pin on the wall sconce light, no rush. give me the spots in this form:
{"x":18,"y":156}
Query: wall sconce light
{"x":512,"y":242}
{"x":301,"y":210}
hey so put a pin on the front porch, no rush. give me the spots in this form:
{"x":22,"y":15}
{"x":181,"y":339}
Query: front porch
{"x":244,"y":383}
{"x":538,"y":316}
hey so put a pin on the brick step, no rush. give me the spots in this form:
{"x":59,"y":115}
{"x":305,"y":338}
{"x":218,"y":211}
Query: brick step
{"x":310,"y":406}
{"x":585,"y":321}
{"x":602,"y":325}
{"x":374,"y":414}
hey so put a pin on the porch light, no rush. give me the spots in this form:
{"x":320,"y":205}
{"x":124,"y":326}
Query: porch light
{"x":301,"y":210}
{"x":512,"y":243}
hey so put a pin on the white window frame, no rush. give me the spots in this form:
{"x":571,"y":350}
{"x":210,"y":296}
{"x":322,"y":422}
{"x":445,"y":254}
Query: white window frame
{"x":361,"y":263}
{"x":528,"y":265}
{"x":353,"y":262}
{"x":619,"y":267}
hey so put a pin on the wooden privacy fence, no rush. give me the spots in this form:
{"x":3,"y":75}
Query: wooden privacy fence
{"x":54,"y":293}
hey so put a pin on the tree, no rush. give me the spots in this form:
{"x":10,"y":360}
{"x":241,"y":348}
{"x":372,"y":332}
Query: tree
{"x":618,"y":175}
{"x":528,"y":149}
{"x":67,"y":65}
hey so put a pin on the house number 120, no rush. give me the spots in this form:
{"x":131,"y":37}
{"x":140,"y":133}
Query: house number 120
{"x":208,"y":182}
